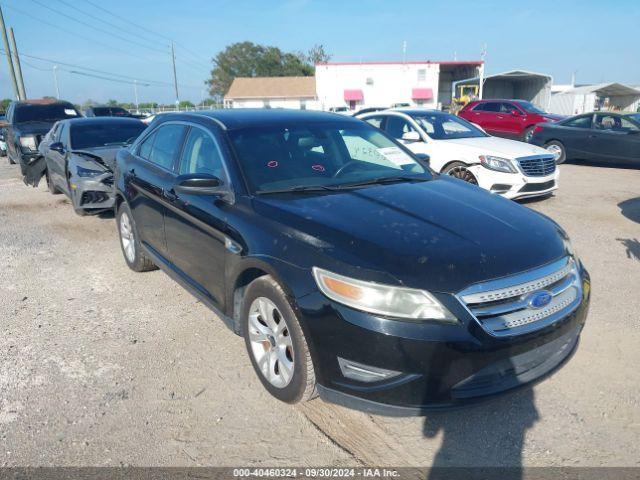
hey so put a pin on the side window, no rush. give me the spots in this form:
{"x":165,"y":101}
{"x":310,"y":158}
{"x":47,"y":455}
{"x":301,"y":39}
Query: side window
{"x":166,"y":145}
{"x":144,"y":150}
{"x":480,"y":107}
{"x":397,"y":126}
{"x":579,"y":122}
{"x":201,"y":154}
{"x":491,"y":107}
{"x":375,"y":121}
{"x":507,"y":108}
{"x":608,"y":122}
{"x":628,"y":126}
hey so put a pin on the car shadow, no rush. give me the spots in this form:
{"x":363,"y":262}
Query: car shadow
{"x":603,"y":163}
{"x":487,"y":439}
{"x":631,"y":209}
{"x":633,"y":247}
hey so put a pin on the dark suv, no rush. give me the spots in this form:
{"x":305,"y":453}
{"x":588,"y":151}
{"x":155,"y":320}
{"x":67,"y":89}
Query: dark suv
{"x":349,"y":267}
{"x":27,"y":122}
{"x":507,"y":118}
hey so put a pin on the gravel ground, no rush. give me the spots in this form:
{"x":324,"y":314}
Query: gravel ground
{"x":103,"y":366}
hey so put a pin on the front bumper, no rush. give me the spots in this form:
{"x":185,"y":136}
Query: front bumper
{"x":515,"y":185}
{"x":92,"y":193}
{"x":439,"y":366}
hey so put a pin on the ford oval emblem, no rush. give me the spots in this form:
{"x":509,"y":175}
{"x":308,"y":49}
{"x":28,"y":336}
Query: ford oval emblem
{"x":540,"y":299}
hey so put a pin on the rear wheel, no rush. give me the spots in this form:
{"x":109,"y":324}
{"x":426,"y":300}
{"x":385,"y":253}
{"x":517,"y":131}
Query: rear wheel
{"x":275,"y":342}
{"x":461,"y":171}
{"x":135,"y":257}
{"x":557,"y":149}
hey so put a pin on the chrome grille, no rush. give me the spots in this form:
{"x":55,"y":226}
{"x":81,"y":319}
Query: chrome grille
{"x":504,"y":307}
{"x":537,"y":165}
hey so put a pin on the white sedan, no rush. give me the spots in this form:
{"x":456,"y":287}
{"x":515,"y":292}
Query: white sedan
{"x":456,"y":147}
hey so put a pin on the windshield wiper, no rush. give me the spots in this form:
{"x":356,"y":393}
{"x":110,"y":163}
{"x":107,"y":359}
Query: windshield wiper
{"x":299,"y":188}
{"x":382,"y":181}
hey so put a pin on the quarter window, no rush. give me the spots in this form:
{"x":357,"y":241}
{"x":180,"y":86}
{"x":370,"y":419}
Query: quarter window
{"x":375,"y":121}
{"x":579,"y":122}
{"x":144,"y":150}
{"x":201,"y":154}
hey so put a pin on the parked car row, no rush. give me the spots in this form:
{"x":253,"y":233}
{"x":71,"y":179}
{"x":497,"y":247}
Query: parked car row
{"x":351,"y":268}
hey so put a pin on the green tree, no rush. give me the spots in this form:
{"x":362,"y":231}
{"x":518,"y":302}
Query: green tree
{"x":247,"y":59}
{"x":185,"y":104}
{"x":149,"y":105}
{"x":4,"y":104}
{"x":112,"y":103}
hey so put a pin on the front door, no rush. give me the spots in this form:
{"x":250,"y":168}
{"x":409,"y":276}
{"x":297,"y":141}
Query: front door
{"x":614,"y":138}
{"x":150,"y":178}
{"x":195,"y":224}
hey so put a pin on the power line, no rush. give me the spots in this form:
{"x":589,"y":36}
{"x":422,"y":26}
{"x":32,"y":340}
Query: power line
{"x":105,"y":78}
{"x":94,"y":27}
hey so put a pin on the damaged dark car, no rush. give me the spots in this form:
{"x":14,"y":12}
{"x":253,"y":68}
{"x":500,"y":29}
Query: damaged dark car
{"x":77,"y":159}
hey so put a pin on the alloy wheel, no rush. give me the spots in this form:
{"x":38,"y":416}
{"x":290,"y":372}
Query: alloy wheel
{"x":127,"y":238}
{"x":271,"y":343}
{"x":555,"y":150}
{"x":462,"y":173}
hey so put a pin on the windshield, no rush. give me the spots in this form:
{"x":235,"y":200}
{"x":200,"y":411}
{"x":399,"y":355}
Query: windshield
{"x":110,"y":112}
{"x":104,"y":134}
{"x":42,"y":113}
{"x":443,"y":126}
{"x":530,"y":107}
{"x":322,"y":155}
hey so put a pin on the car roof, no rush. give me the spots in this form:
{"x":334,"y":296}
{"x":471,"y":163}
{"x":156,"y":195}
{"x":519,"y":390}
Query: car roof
{"x":41,"y":101}
{"x":235,"y":118}
{"x":100,"y":120}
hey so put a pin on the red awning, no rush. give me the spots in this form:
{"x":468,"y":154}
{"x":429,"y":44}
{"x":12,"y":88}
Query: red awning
{"x":353,"y":95}
{"x":421,"y":94}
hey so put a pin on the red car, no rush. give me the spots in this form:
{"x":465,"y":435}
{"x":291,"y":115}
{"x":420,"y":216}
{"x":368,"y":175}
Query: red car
{"x":507,"y":118}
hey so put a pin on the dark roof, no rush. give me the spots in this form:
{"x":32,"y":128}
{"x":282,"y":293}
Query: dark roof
{"x":104,"y":120}
{"x":234,"y":118}
{"x":42,"y":101}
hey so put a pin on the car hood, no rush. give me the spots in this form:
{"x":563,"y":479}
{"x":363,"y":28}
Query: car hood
{"x":441,"y":235}
{"x":501,"y":147}
{"x":106,"y":154}
{"x":35,"y":128}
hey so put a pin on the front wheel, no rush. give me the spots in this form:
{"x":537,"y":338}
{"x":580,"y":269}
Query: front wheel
{"x":557,"y":149}
{"x":276,"y":343}
{"x":527,"y":134}
{"x":129,"y":241}
{"x":461,"y":171}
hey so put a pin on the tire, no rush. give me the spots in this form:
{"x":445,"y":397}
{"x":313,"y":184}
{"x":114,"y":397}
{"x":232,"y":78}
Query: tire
{"x":460,"y":171}
{"x":53,"y":190}
{"x":527,"y":134}
{"x":276,"y":342}
{"x":132,"y":251}
{"x":556,"y":146}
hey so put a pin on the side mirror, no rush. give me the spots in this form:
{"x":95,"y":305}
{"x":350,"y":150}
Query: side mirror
{"x":199,"y":184}
{"x":57,"y":147}
{"x":411,"y":136}
{"x":515,"y":113}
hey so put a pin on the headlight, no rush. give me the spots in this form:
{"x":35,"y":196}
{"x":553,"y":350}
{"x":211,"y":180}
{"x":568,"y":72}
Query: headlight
{"x":29,"y":142}
{"x":380,"y":299}
{"x":87,"y":172}
{"x":497,"y":163}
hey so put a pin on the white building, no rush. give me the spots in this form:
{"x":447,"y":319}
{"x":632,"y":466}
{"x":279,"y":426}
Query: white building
{"x":587,"y":98}
{"x":273,"y":92}
{"x":383,"y":84}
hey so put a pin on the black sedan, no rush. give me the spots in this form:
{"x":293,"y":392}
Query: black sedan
{"x":349,"y":267}
{"x":602,"y":136}
{"x":78,"y":157}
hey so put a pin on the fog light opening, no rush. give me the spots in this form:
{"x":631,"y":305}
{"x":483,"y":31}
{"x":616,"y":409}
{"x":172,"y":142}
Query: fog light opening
{"x":364,"y":373}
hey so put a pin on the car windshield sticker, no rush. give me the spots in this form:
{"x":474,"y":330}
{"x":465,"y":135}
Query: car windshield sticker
{"x":272,"y":164}
{"x":70,"y":111}
{"x":318,"y":168}
{"x":395,"y":156}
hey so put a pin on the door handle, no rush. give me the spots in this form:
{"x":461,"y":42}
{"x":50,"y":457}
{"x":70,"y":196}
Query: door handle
{"x":170,"y":195}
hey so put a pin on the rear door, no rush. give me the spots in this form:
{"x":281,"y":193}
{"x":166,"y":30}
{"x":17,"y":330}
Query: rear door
{"x":614,"y":138}
{"x":150,"y":178}
{"x":195,"y":225}
{"x":575,"y":135}
{"x":489,"y":117}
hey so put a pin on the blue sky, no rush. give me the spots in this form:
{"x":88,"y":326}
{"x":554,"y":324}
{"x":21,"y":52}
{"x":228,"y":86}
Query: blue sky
{"x":596,"y":39}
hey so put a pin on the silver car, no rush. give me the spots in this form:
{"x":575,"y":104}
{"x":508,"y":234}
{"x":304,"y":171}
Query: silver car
{"x":78,"y":157}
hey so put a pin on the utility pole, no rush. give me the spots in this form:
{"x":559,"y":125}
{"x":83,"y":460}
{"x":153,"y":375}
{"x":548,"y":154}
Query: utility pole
{"x":135,"y":91}
{"x":175,"y":76}
{"x":21,"y":91}
{"x":483,"y":55}
{"x":55,"y":81}
{"x":12,"y":73}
